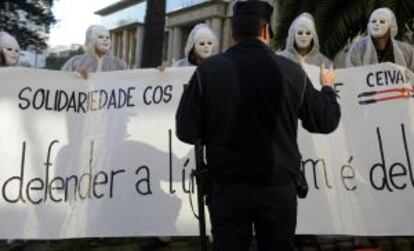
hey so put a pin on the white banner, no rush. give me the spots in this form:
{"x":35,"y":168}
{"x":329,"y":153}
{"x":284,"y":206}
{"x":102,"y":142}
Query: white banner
{"x":100,"y":157}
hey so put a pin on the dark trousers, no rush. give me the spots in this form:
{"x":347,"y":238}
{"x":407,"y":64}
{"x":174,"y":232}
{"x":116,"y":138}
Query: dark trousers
{"x":237,"y":209}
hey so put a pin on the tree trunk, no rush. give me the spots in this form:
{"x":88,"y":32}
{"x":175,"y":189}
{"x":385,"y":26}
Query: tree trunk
{"x":153,"y":33}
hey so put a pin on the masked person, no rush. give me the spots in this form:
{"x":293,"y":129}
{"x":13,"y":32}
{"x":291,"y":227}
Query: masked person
{"x":201,"y":44}
{"x":380,"y":44}
{"x":302,"y":44}
{"x":9,"y":56}
{"x":244,"y":106}
{"x":97,"y":57}
{"x":9,"y":50}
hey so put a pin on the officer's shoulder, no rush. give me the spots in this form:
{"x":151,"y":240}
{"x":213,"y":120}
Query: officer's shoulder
{"x":286,"y":64}
{"x":218,"y":60}
{"x":215,"y":59}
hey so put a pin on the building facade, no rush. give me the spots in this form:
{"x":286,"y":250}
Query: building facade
{"x":215,"y":13}
{"x":125,"y":20}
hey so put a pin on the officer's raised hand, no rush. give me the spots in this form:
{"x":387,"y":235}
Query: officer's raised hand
{"x":327,"y":76}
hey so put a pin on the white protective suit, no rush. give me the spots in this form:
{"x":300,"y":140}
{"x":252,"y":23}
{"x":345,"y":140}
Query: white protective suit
{"x":89,"y":60}
{"x":200,"y":33}
{"x":314,"y":57}
{"x":363,"y":52}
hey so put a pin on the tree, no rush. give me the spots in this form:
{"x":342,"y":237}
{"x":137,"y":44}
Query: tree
{"x":55,"y":62}
{"x":153,"y":33}
{"x":337,"y":22}
{"x":28,"y":21}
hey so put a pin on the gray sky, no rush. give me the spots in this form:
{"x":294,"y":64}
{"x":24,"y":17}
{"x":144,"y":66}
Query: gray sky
{"x":74,"y":17}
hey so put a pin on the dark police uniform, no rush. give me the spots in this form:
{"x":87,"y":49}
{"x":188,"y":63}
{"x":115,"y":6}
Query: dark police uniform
{"x":244,"y":105}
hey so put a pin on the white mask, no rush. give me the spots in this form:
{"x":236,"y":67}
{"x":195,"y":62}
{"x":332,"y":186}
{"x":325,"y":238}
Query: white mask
{"x":303,"y":33}
{"x":379,"y":23}
{"x":103,"y":41}
{"x":204,"y":46}
{"x":10,"y":49}
{"x":98,"y":38}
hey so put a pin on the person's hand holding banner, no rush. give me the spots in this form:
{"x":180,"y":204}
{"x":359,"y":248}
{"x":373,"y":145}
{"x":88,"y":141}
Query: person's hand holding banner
{"x":83,"y":73}
{"x":327,"y":76}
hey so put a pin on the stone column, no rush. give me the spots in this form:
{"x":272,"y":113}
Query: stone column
{"x":216,"y":26}
{"x":227,"y":39}
{"x":170,"y":46}
{"x":208,"y":22}
{"x":177,"y":43}
{"x":138,"y":49}
{"x":131,"y":49}
{"x":119,"y":45}
{"x":125,"y":45}
{"x":113,"y":44}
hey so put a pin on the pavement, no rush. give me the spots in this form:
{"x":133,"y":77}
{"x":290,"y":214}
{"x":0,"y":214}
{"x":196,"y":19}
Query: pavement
{"x":304,"y":243}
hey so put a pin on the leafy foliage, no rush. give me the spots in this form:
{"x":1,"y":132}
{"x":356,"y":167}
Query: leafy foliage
{"x":28,"y":21}
{"x":55,"y":62}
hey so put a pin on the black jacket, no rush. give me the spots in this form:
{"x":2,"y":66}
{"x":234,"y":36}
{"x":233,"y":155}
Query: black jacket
{"x":244,"y":105}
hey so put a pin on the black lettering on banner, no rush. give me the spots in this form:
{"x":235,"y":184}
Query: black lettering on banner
{"x":145,"y":181}
{"x":168,"y":94}
{"x":88,"y":185}
{"x":379,"y":78}
{"x":348,"y":174}
{"x":314,"y":167}
{"x":75,"y":185}
{"x":27,"y":105}
{"x":48,"y":107}
{"x":18,"y":179}
{"x":56,"y":184}
{"x":381,"y":167}
{"x":385,"y":78}
{"x":72,"y":103}
{"x":92,"y":103}
{"x":112,"y":99}
{"x":394,"y":173}
{"x":89,"y":176}
{"x":407,"y":154}
{"x":103,"y":98}
{"x":48,"y":164}
{"x":170,"y":160}
{"x":337,"y":89}
{"x":36,"y":98}
{"x":381,"y":178}
{"x":190,"y":188}
{"x":62,"y":96}
{"x":157,"y":95}
{"x":83,"y":100}
{"x":145,"y":98}
{"x":122,"y":98}
{"x":369,"y":79}
{"x":97,"y":182}
{"x":39,"y":188}
{"x":112,"y":181}
{"x":129,"y":95}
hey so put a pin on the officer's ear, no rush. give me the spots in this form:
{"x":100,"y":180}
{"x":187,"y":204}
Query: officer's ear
{"x":265,"y":34}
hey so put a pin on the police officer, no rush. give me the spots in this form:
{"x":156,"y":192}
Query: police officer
{"x":244,"y":105}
